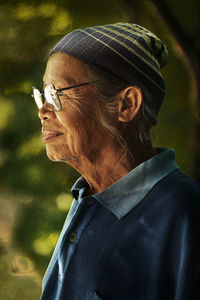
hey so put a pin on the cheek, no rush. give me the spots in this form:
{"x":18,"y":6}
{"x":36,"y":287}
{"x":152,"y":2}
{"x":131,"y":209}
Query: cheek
{"x":83,"y":134}
{"x":65,"y":119}
{"x":78,"y":130}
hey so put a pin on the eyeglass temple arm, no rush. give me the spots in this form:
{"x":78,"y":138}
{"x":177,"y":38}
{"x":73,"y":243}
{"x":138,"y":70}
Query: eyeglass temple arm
{"x":77,"y":85}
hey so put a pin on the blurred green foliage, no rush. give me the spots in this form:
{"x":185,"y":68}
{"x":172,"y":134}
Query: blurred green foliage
{"x":35,"y":193}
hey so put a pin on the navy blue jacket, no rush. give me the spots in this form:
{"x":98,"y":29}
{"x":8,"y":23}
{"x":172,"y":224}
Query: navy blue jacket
{"x":153,"y":253}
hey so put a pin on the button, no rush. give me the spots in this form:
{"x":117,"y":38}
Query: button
{"x":72,"y":236}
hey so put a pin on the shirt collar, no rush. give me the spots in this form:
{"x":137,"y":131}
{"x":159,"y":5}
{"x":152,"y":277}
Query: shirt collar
{"x":122,"y":196}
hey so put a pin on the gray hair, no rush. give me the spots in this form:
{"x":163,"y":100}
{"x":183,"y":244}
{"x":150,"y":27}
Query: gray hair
{"x":108,"y":86}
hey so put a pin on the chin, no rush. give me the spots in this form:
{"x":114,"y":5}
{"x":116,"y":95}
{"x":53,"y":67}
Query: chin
{"x":59,"y":153}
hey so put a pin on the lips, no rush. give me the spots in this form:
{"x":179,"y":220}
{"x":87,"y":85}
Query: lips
{"x":49,"y":134}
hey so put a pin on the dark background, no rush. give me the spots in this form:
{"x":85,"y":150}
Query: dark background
{"x":35,"y":192}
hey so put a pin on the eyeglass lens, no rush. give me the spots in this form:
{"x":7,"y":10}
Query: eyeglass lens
{"x":50,"y":95}
{"x":38,"y":98}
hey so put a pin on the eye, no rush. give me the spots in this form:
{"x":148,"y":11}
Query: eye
{"x":61,"y":93}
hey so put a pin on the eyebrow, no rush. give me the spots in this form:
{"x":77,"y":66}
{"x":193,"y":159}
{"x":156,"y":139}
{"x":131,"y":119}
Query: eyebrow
{"x":71,"y":81}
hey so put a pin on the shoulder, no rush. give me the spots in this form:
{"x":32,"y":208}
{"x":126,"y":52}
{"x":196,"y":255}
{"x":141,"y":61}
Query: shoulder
{"x":173,"y":200}
{"x":178,"y":185}
{"x":176,"y":198}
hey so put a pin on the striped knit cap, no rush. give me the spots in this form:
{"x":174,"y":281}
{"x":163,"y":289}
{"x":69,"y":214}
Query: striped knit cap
{"x":128,"y":51}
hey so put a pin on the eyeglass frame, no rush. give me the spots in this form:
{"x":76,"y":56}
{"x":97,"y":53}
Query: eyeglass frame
{"x":59,"y":92}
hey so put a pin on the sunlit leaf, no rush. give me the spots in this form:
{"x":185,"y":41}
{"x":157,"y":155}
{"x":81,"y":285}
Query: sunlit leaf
{"x":60,"y":23}
{"x":32,"y":146}
{"x":44,"y":245}
{"x":7,"y":112}
{"x":24,"y":12}
{"x":64,"y":201}
{"x":46,"y":9}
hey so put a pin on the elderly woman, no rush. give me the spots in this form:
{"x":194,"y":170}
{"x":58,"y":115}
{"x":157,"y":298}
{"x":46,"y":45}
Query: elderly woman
{"x":133,"y":231}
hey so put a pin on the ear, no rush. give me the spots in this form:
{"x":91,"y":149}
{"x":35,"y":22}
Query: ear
{"x":129,"y":103}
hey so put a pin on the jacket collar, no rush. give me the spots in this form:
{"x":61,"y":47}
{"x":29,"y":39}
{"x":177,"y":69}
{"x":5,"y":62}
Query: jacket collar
{"x":122,"y":196}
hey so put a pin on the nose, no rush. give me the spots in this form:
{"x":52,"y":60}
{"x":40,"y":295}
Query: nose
{"x":46,"y":112}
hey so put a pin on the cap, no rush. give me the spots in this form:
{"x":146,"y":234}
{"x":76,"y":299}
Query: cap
{"x":128,"y":51}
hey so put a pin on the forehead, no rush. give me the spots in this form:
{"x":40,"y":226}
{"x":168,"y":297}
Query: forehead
{"x":65,"y":69}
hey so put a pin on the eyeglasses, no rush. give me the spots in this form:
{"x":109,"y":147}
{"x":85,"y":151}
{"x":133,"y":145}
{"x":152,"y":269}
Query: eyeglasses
{"x":51,"y":94}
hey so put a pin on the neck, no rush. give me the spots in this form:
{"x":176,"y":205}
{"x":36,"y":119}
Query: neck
{"x":110,"y":165}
